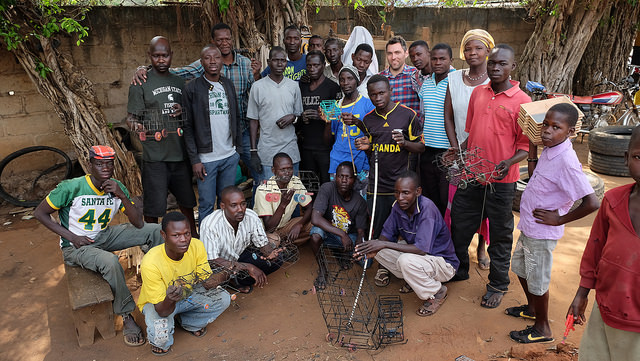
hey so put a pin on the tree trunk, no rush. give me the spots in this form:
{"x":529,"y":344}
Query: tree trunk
{"x":74,"y":99}
{"x":75,"y":102}
{"x":258,"y":24}
{"x":613,"y":37}
{"x":561,"y":34}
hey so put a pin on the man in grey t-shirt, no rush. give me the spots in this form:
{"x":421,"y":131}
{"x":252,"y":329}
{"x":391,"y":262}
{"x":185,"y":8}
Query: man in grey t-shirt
{"x":212,"y":130}
{"x":274,"y":106}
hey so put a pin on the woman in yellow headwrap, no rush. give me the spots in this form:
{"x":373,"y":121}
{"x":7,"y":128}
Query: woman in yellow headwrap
{"x":474,"y":49}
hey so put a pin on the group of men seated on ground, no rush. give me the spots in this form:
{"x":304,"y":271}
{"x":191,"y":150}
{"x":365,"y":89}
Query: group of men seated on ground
{"x":402,"y":120}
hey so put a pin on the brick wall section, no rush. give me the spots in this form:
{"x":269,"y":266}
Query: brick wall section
{"x":117,"y":44}
{"x":447,"y":25}
{"x":118,"y":40}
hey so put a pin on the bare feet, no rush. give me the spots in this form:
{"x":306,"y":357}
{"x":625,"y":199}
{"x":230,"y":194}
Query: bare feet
{"x":483,"y":259}
{"x":492,"y":299}
{"x":320,"y":283}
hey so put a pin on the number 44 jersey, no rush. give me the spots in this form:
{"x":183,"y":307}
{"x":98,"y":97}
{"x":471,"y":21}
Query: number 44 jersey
{"x":83,"y":209}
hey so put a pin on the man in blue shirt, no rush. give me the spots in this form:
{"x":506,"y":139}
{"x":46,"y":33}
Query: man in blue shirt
{"x":425,"y":257}
{"x":296,"y":61}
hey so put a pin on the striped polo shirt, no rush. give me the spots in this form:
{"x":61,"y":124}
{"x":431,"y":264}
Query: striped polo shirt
{"x":432,"y":96}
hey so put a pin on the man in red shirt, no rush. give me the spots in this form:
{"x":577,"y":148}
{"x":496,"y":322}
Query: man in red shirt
{"x":492,"y":126}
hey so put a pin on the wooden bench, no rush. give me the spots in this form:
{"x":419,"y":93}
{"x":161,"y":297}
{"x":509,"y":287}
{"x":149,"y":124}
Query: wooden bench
{"x":91,"y":301}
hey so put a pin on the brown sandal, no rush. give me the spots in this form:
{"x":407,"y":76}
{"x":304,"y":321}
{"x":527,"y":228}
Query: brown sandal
{"x":429,"y":307}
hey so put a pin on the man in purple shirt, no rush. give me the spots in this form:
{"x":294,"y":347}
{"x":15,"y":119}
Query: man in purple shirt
{"x":425,"y":257}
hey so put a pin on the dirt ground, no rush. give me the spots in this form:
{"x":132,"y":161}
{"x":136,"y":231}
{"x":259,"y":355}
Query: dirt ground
{"x":282,"y":320}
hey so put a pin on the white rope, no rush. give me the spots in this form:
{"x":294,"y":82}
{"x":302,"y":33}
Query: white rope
{"x":364,"y":266}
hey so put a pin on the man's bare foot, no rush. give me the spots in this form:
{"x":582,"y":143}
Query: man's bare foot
{"x":492,"y":299}
{"x":132,"y":333}
{"x":483,"y":261}
{"x":321,"y":281}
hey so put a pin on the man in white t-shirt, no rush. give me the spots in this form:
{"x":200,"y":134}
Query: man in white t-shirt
{"x":274,"y":106}
{"x":211,"y":136}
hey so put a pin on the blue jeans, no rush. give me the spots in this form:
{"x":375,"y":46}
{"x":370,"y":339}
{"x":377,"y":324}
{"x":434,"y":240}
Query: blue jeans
{"x":192,"y":312}
{"x":220,"y":174}
{"x":246,"y":154}
{"x":332,"y":241}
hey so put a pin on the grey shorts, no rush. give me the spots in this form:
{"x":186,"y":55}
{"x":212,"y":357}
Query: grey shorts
{"x":532,"y":260}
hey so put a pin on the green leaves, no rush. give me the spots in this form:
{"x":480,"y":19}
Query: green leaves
{"x":31,"y":20}
{"x":223,"y":5}
{"x":42,"y":69}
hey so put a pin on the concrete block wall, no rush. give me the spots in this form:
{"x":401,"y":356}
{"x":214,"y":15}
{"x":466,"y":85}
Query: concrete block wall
{"x":118,"y":40}
{"x":447,"y":25}
{"x":117,"y":44}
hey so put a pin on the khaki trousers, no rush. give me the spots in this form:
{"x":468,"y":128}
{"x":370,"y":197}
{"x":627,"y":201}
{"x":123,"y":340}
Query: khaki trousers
{"x":282,"y":232}
{"x":605,"y":343}
{"x":424,"y":274}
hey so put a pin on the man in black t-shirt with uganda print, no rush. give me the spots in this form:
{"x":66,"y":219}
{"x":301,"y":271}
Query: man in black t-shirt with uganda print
{"x":392,"y":133}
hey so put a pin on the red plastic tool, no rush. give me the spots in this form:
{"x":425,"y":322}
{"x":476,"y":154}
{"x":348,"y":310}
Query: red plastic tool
{"x":569,"y":327}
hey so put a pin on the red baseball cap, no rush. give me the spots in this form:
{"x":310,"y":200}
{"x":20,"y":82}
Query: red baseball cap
{"x":102,"y":152}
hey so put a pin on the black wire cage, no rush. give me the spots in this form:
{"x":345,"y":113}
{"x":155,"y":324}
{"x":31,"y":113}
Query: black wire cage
{"x":158,"y":124}
{"x":355,"y":316}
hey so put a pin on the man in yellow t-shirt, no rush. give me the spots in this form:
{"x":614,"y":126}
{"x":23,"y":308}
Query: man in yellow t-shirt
{"x":169,"y":285}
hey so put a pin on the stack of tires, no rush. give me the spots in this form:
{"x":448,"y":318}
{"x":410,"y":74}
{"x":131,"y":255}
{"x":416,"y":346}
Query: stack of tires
{"x":607,"y":146}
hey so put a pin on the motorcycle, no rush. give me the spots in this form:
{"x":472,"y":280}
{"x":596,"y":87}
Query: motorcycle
{"x":597,"y":108}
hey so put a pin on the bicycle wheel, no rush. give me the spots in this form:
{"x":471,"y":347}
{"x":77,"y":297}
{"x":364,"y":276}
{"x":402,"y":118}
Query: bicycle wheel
{"x":29,"y":174}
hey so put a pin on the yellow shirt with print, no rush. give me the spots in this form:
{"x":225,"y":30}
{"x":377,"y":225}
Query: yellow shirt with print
{"x":159,"y":271}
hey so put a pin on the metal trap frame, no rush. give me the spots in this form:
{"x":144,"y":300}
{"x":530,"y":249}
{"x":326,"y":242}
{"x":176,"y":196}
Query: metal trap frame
{"x":196,"y":279}
{"x":466,"y":167}
{"x":330,"y":110}
{"x":310,"y":181}
{"x":286,"y":258}
{"x":369,"y":323}
{"x":158,"y":124}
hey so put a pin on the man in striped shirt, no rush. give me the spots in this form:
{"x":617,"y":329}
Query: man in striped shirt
{"x":235,"y":239}
{"x":433,"y":180}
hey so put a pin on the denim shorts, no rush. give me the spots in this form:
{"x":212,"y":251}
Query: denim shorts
{"x":532,"y":260}
{"x":330,"y":239}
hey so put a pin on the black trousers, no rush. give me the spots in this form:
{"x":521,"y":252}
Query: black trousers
{"x":316,"y":161}
{"x":467,"y":214}
{"x":382,"y":211}
{"x":266,"y":266}
{"x":433,"y":180}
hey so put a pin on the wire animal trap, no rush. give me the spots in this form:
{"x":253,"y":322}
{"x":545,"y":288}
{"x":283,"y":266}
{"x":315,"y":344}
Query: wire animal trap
{"x":196,"y":280}
{"x":310,"y":180}
{"x":288,"y":254}
{"x":330,"y":110}
{"x":466,"y":167}
{"x":390,"y":324}
{"x":355,"y":317}
{"x":158,"y":124}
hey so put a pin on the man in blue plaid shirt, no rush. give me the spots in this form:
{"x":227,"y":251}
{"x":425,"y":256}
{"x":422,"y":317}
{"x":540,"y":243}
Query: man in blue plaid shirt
{"x":239,"y":69}
{"x":400,"y":74}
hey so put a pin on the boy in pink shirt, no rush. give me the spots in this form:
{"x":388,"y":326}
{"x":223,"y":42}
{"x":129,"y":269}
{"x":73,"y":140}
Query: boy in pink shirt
{"x":556,"y":182}
{"x":610,"y":265}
